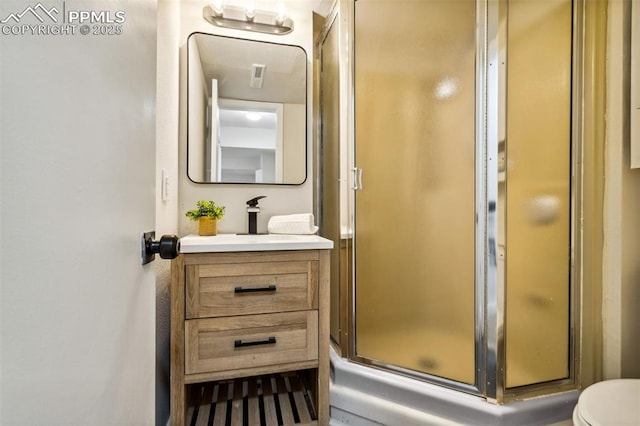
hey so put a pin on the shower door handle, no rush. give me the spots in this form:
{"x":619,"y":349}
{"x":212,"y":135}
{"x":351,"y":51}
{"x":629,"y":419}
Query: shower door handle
{"x":357,"y":178}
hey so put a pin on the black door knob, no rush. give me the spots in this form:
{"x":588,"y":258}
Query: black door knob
{"x":168,"y":247}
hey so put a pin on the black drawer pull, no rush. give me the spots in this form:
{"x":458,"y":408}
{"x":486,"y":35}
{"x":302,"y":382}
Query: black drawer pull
{"x":269,"y":341}
{"x":271,"y":287}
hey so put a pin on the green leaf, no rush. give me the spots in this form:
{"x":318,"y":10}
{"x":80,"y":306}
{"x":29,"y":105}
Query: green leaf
{"x":206,"y":208}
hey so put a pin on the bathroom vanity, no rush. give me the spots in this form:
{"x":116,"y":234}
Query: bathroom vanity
{"x":250,"y":330}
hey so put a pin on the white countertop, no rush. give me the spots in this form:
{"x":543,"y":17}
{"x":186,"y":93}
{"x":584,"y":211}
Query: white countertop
{"x":267,"y":242}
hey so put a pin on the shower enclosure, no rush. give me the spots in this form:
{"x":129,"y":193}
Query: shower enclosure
{"x":449,"y":177}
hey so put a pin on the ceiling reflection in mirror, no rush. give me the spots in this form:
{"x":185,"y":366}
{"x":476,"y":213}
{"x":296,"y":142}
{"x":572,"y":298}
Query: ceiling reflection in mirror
{"x":246,"y":111}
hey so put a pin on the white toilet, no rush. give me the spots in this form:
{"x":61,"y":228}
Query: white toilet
{"x":609,"y":403}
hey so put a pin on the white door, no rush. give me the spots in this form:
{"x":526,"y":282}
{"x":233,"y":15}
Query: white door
{"x":77,"y":141}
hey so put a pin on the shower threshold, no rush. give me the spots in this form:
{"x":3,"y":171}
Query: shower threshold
{"x":362,"y":395}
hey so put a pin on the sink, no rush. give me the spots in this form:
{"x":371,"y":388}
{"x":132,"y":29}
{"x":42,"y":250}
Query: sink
{"x":263,"y":242}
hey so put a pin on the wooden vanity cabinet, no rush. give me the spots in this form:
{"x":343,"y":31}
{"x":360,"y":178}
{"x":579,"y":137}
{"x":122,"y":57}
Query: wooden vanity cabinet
{"x":238,"y":315}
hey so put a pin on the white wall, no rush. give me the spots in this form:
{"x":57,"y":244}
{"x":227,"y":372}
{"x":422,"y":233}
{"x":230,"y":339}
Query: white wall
{"x":167,"y":112}
{"x":280,"y":199}
{"x":294,"y":130}
{"x":621,"y":265}
{"x":246,"y":137}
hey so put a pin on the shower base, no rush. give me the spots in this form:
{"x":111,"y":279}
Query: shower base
{"x":366,"y":396}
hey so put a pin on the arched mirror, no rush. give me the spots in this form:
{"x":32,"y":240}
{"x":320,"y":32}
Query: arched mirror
{"x":246,"y":111}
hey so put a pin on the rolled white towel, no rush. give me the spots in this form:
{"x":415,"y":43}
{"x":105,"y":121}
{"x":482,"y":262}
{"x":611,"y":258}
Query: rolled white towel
{"x":295,"y":224}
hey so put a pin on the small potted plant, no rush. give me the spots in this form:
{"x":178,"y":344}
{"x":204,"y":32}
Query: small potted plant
{"x":207,"y":215}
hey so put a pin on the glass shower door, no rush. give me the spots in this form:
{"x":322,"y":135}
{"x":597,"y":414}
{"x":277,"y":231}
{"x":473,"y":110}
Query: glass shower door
{"x":415,"y":213}
{"x":536,"y":191}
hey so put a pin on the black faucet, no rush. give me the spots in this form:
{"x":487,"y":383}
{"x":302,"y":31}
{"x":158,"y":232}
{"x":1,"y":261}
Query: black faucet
{"x":253,"y":210}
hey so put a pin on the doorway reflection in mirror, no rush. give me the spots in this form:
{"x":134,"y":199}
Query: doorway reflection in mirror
{"x":230,"y":81}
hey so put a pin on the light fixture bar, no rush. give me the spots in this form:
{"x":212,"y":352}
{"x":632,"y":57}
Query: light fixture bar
{"x":237,"y":19}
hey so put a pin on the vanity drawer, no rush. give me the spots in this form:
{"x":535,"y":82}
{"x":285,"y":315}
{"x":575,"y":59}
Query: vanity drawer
{"x":229,"y":343}
{"x":250,"y":288}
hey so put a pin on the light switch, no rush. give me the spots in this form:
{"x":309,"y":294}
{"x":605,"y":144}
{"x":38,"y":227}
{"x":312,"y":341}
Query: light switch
{"x":165,"y":185}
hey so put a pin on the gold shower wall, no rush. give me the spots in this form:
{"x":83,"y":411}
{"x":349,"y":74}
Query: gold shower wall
{"x":538,"y":194}
{"x":415,"y":216}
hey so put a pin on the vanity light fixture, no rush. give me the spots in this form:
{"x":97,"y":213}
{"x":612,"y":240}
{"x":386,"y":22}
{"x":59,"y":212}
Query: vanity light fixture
{"x":248,"y":18}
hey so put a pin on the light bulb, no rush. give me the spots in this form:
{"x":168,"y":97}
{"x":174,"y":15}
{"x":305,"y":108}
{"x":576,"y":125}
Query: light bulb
{"x":216,"y":5}
{"x":282,"y":13}
{"x":250,"y":11}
